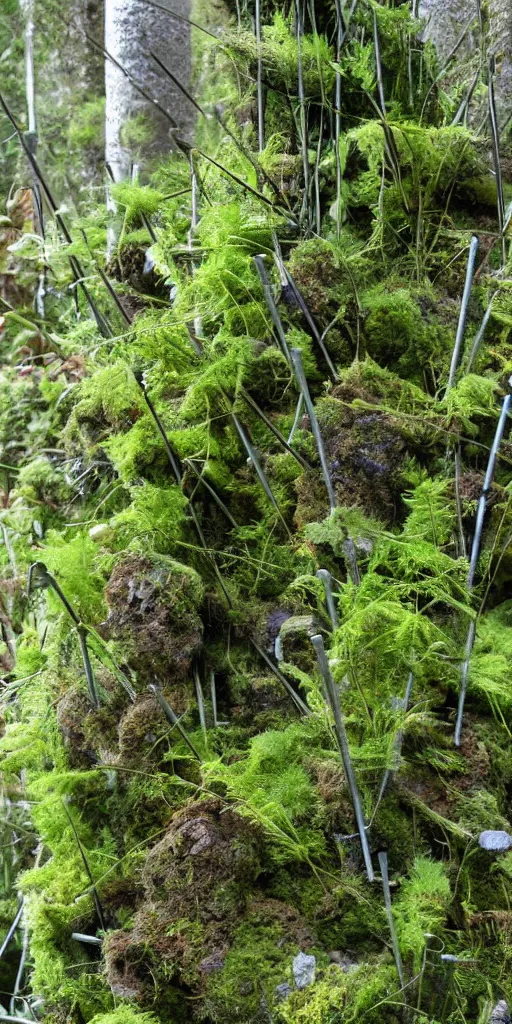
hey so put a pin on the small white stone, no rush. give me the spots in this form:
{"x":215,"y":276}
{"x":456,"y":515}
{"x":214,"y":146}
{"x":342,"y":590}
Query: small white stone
{"x":100,"y":532}
{"x":304,"y":967}
{"x":495,"y":840}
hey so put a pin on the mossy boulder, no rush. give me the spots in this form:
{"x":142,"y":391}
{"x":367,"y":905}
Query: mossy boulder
{"x":153,"y":607}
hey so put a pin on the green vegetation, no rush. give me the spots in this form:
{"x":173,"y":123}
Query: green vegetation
{"x":145,"y":468}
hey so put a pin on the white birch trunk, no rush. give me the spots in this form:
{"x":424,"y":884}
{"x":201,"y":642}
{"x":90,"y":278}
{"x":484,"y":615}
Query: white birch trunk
{"x":132,"y":30}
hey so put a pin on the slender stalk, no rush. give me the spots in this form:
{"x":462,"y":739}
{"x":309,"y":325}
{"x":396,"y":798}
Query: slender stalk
{"x":378,"y":65}
{"x":271,"y":305}
{"x":383,"y":864}
{"x":461,"y":326}
{"x":213,"y":695}
{"x":173,"y":719}
{"x":112,"y":292}
{"x":299,"y":703}
{"x":397,"y":746}
{"x":176,"y":470}
{"x":89,"y":940}
{"x":296,"y":420}
{"x":337,"y":114}
{"x":74,"y":263}
{"x":458,"y":503}
{"x":303,"y":387}
{"x":190,"y":465}
{"x":253,"y":456}
{"x":350,"y":553}
{"x":259,"y":79}
{"x":342,"y":741}
{"x":299,"y":29}
{"x":495,"y":134}
{"x":11,"y":930}
{"x":275,"y":431}
{"x":200,"y":705}
{"x":315,"y":333}
{"x":40,"y":578}
{"x":489,"y":474}
{"x":326,"y":578}
{"x":479,"y":337}
{"x":475,"y":552}
{"x":85,"y":862}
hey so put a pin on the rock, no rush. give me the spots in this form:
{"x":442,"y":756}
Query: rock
{"x":282,"y":991}
{"x":500,"y":1014}
{"x":342,"y":960}
{"x":495,"y":840}
{"x":304,"y":967}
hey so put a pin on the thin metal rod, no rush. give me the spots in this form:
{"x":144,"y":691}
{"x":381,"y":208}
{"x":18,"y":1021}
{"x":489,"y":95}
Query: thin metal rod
{"x":459,"y":337}
{"x":326,"y":578}
{"x":173,"y":719}
{"x":383,"y":864}
{"x":342,"y":740}
{"x":475,"y":552}
{"x":303,"y":387}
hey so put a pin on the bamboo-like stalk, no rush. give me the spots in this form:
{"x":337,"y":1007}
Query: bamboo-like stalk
{"x":200,"y":705}
{"x":383,"y":864}
{"x":274,"y":430}
{"x":337,"y":113}
{"x":299,"y":299}
{"x":326,"y":578}
{"x":76,"y":269}
{"x":32,"y":138}
{"x":213,"y":695}
{"x":85,"y":862}
{"x":479,"y":337}
{"x":303,"y":387}
{"x":297,"y":700}
{"x":259,"y":79}
{"x":40,"y":578}
{"x":342,"y":741}
{"x":173,"y":719}
{"x":216,"y":497}
{"x":495,"y":135}
{"x":461,"y":326}
{"x":253,"y":456}
{"x":11,"y":931}
{"x":176,"y":470}
{"x":271,"y":305}
{"x":303,"y":119}
{"x":475,"y":552}
{"x":298,"y":413}
{"x":397,"y":746}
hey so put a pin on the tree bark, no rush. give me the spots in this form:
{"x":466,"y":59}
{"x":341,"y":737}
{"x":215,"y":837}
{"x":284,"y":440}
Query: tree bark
{"x":132,"y":30}
{"x":444,"y":21}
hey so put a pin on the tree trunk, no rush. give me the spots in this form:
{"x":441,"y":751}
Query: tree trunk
{"x":445,"y":20}
{"x":133,"y":29}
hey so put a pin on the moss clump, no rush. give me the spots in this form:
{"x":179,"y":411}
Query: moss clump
{"x":153,"y":612}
